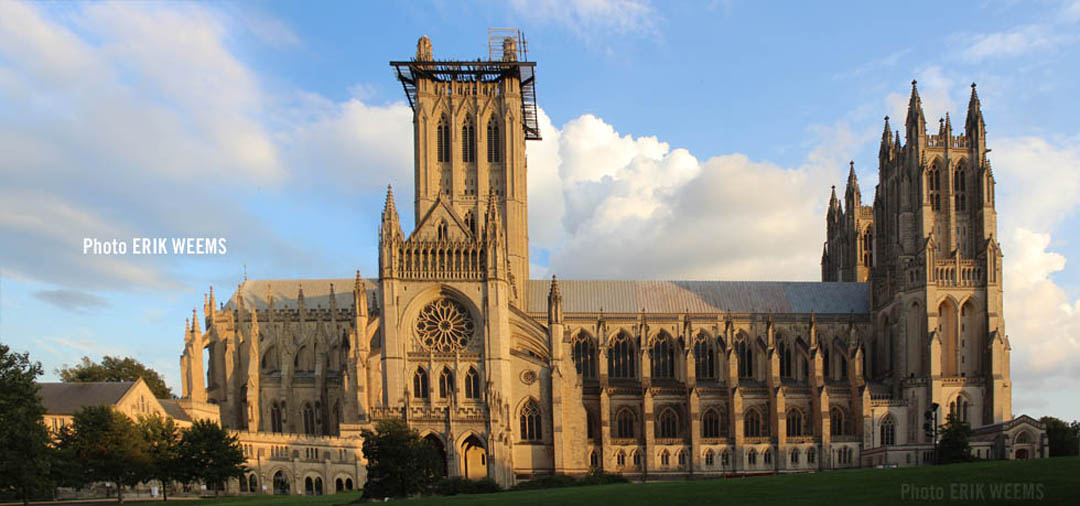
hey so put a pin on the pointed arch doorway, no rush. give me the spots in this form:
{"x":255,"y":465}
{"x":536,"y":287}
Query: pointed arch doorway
{"x":473,"y":458}
{"x":437,"y":443}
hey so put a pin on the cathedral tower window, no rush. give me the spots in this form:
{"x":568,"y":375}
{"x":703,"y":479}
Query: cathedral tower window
{"x":960,"y":188}
{"x":446,"y":383}
{"x":530,"y":422}
{"x":624,"y":424}
{"x":669,"y":424}
{"x":621,"y":359}
{"x":494,"y":152}
{"x":704,"y":360}
{"x":933,"y":185}
{"x":888,"y":431}
{"x":420,"y":383}
{"x":472,"y":384}
{"x":867,"y":247}
{"x":584,"y":355}
{"x":309,"y":420}
{"x":443,"y":140}
{"x":468,"y":141}
{"x":794,"y":423}
{"x":663,"y":358}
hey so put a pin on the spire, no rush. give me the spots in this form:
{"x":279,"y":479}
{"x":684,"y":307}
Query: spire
{"x":300,"y":297}
{"x":492,"y":222}
{"x":886,"y":135}
{"x":360,"y":306}
{"x":389,"y":209}
{"x":391,"y":225}
{"x":974,"y":126}
{"x":194,"y":322}
{"x":555,"y":312}
{"x":852,"y":196}
{"x":916,"y":122}
{"x":834,"y":206}
{"x":948,"y":125}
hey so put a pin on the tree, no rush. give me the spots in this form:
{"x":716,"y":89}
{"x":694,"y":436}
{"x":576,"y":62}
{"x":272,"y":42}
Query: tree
{"x":25,"y":453}
{"x":400,"y":463}
{"x":1064,"y":439}
{"x":162,"y":441}
{"x":116,"y":369}
{"x":209,"y":453}
{"x":953,"y":445}
{"x":106,"y":446}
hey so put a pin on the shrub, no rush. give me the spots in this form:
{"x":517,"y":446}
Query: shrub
{"x":599,"y":477}
{"x":549,"y":481}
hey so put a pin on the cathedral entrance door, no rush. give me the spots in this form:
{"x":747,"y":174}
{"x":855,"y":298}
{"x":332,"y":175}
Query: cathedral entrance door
{"x":474,"y":458}
{"x":434,"y":441}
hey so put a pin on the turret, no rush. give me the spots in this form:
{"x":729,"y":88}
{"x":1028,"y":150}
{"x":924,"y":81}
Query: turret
{"x":887,"y":147}
{"x":852,"y":196}
{"x":975,"y":127}
{"x":916,"y":123}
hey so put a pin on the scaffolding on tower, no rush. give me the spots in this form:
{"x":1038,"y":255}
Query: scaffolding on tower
{"x":499,"y":65}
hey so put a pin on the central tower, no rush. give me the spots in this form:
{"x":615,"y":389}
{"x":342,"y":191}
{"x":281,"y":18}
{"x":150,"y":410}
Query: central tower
{"x":470,"y":123}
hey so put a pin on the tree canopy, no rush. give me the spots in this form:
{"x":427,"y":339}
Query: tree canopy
{"x":162,"y":445}
{"x":25,"y":454}
{"x":400,"y":463}
{"x":209,"y":453}
{"x":954,"y":445}
{"x":106,"y":446}
{"x":1064,"y":438}
{"x":116,"y":369}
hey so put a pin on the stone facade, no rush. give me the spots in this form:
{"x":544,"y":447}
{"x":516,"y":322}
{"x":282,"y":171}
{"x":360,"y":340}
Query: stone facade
{"x":514,"y":378}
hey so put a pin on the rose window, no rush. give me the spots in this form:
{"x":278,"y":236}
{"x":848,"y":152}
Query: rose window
{"x":444,"y":325}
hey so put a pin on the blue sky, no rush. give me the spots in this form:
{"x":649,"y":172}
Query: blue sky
{"x":681,"y":140}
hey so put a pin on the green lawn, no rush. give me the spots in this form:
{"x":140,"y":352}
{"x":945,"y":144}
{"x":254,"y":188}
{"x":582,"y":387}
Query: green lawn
{"x":1052,"y":481}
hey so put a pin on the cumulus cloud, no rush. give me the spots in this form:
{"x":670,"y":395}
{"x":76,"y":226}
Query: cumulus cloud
{"x":618,"y":206}
{"x":122,"y":120}
{"x":585,"y":17}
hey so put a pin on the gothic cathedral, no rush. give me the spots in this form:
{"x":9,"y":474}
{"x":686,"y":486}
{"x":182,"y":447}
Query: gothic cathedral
{"x":513,"y":378}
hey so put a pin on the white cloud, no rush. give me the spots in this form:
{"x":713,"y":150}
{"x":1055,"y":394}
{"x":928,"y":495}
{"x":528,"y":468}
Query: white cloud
{"x":615,"y":204}
{"x":586,"y":17}
{"x":1015,"y":42}
{"x":121,"y":120}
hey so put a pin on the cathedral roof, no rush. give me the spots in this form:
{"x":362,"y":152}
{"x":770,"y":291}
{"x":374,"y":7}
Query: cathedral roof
{"x":284,"y":291}
{"x":587,"y":296}
{"x":591,"y":296}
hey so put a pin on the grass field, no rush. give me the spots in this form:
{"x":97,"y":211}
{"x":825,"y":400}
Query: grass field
{"x":1045,"y":481}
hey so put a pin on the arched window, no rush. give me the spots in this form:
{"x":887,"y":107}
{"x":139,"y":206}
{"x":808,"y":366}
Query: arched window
{"x":621,"y":359}
{"x":624,"y":424}
{"x":794,"y":423}
{"x":594,"y":460}
{"x":530,"y":422}
{"x":704,"y":360}
{"x":709,"y":458}
{"x":746,"y":359}
{"x":620,"y":459}
{"x":309,"y":419}
{"x":276,"y":420}
{"x":636,"y":458}
{"x":253,"y":483}
{"x":494,"y":151}
{"x":682,"y":458}
{"x":665,"y":458}
{"x":663,"y":358}
{"x":837,"y":423}
{"x":960,"y":188}
{"x":442,"y":230}
{"x":751,"y":458}
{"x":752,"y":424}
{"x":420,"y":383}
{"x":470,"y":222}
{"x":724,"y":458}
{"x":795,"y":456}
{"x":785,"y":360}
{"x":710,"y":424}
{"x":669,"y":424}
{"x":443,"y":140}
{"x":768,"y":457}
{"x":468,"y":141}
{"x":584,"y":355}
{"x":472,"y":384}
{"x":825,"y":363}
{"x":867,"y":247}
{"x":446,"y":383}
{"x":933,"y":185}
{"x":888,"y":431}
{"x":591,"y":424}
{"x":811,"y":455}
